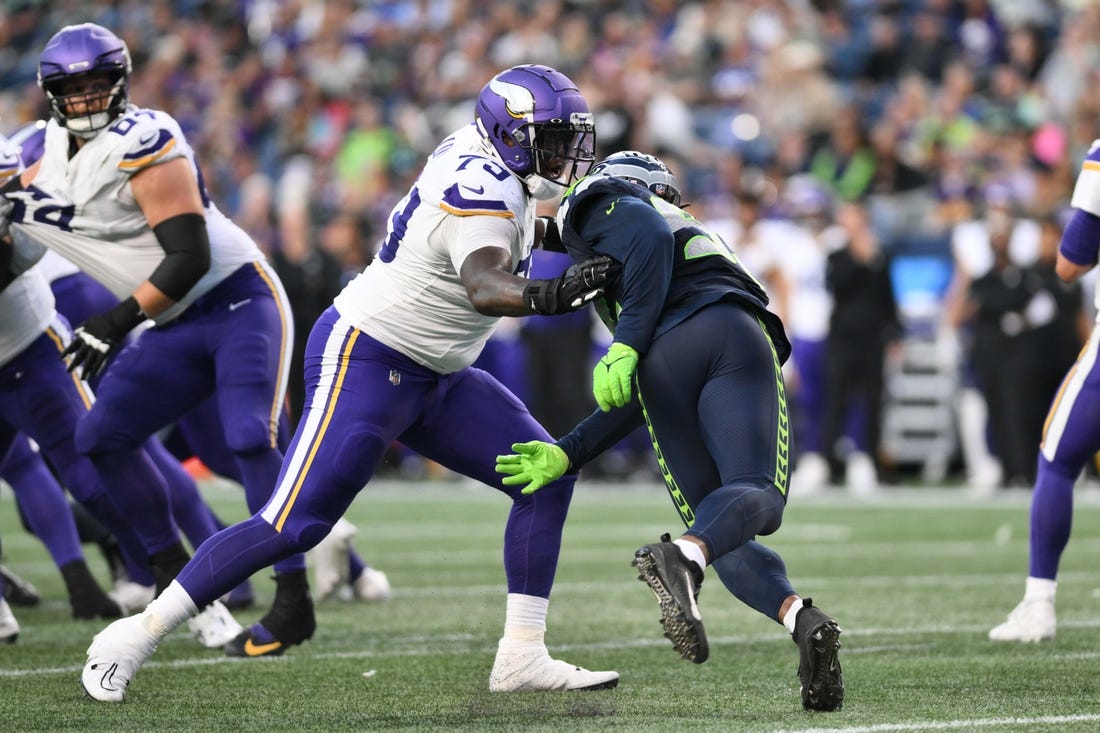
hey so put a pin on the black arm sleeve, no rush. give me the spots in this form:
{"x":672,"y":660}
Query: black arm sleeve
{"x":187,"y":254}
{"x":598,"y":432}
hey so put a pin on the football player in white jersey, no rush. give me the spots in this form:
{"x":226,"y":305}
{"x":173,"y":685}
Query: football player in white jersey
{"x":26,"y":311}
{"x":391,"y":360}
{"x":1071,"y":433}
{"x":49,"y":411}
{"x":118,"y":193}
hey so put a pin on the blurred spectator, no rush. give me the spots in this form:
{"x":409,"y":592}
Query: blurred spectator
{"x":845,"y":163}
{"x":342,"y":99}
{"x":758,"y":239}
{"x":1007,"y":302}
{"x":802,"y":260}
{"x":1061,"y":338}
{"x":312,"y":278}
{"x":864,"y":323}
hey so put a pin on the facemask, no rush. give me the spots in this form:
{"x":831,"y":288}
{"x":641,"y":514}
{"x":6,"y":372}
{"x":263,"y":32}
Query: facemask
{"x":542,"y":188}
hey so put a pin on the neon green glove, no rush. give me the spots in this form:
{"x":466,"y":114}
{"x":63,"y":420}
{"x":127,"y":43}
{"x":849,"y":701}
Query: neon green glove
{"x":613,"y":375}
{"x":535,"y":464}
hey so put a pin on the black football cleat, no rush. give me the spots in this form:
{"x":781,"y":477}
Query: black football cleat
{"x":18,"y":592}
{"x":675,"y":581}
{"x":86,"y":598}
{"x":290,"y":621}
{"x":818,"y":639}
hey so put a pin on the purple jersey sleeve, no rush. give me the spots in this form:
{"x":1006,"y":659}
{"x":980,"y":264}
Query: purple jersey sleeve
{"x":1081,"y":238}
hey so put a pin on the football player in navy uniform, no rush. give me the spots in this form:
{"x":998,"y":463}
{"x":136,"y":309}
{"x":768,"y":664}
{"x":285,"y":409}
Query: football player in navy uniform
{"x":697,"y":357}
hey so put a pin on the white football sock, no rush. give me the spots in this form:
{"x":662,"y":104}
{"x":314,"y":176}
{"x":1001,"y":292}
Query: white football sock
{"x":1040,"y":589}
{"x":792,"y":614}
{"x":168,"y":610}
{"x":691,"y":551}
{"x":525,"y":618}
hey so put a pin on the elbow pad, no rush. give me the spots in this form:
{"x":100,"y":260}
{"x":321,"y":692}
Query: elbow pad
{"x":186,"y":254}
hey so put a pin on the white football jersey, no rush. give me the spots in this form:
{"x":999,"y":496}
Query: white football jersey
{"x":11,"y":165}
{"x":82,"y":207}
{"x":54,"y":267}
{"x":1086,"y":196}
{"x":26,"y":310}
{"x":27,"y":304}
{"x":410,"y":297}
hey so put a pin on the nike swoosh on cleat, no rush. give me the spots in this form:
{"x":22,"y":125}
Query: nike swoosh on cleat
{"x":258,"y":650}
{"x":107,"y":680}
{"x":235,"y":306}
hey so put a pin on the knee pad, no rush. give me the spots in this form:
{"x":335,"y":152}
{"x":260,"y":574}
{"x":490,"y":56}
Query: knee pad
{"x":302,"y":533}
{"x":246,"y":434}
{"x":98,"y":432}
{"x":18,"y":458}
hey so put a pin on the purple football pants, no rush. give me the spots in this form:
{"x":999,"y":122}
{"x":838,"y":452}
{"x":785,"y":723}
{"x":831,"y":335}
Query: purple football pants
{"x":1071,"y":437}
{"x":40,"y":399}
{"x":360,"y":397}
{"x":234,"y":343}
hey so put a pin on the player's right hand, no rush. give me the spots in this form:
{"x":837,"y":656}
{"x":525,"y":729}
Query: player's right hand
{"x":535,"y":463}
{"x":96,"y":340}
{"x":572,"y":290}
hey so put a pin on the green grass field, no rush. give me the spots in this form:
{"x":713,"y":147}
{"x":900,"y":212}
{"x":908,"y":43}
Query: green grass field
{"x":915,"y":578}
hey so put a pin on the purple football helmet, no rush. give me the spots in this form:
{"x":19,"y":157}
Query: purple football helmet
{"x":643,"y":169}
{"x":85,"y":53}
{"x":30,"y":139}
{"x":539,"y":124}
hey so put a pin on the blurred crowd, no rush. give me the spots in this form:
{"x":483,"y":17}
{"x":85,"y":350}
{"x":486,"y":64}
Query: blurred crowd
{"x":879,"y":163}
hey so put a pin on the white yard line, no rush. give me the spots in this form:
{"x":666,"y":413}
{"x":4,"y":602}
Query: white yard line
{"x":952,"y":724}
{"x":431,"y":645}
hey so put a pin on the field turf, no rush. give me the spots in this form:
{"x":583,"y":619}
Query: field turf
{"x":914,"y":576}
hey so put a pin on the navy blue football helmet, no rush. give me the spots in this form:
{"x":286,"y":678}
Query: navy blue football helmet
{"x":643,"y":169}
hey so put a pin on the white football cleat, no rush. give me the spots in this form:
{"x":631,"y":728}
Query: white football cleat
{"x":860,"y":475}
{"x":114,"y":657}
{"x":132,"y":597}
{"x":811,"y":476}
{"x":528,"y":666}
{"x":9,"y":627}
{"x":372,"y":585}
{"x":331,"y":568}
{"x":1030,"y":621}
{"x":214,"y":626}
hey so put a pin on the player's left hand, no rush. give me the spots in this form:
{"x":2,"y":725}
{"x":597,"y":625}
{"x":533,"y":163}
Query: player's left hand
{"x":613,"y":375}
{"x":97,"y":339}
{"x":535,"y":463}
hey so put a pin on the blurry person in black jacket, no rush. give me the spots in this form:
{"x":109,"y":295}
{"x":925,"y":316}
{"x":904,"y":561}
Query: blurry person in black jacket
{"x":864,"y":322}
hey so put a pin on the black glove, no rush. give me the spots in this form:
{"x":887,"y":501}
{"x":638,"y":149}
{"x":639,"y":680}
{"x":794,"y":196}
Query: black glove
{"x":571,"y":291}
{"x":100,"y":336}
